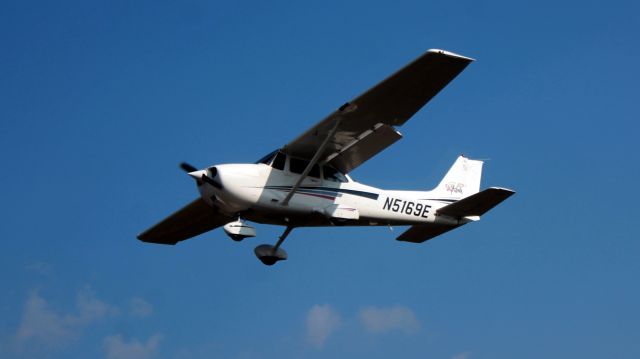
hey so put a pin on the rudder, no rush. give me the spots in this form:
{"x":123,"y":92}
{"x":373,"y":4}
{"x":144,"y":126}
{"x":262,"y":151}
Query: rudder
{"x":462,"y":180}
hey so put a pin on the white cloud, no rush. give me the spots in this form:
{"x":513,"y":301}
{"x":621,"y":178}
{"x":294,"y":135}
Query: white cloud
{"x":380,"y":320}
{"x":140,"y":308}
{"x":89,"y":308}
{"x":42,"y":326}
{"x":464,"y":355}
{"x":118,"y":348}
{"x":322,"y":321}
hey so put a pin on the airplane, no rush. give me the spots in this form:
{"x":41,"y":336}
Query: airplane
{"x":306,"y":182}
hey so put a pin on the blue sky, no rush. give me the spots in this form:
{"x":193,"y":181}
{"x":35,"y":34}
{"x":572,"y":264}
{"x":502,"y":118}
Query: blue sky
{"x":101,"y":100}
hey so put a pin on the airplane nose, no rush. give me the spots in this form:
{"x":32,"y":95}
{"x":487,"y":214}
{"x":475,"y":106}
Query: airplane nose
{"x":213,"y":177}
{"x":197,"y":175}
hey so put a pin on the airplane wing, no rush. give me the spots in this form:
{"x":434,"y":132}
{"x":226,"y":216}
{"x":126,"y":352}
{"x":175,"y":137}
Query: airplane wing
{"x":365,"y":126}
{"x":192,"y":220}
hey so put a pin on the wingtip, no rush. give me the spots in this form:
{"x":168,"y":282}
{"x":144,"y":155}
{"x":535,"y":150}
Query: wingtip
{"x":148,"y":237}
{"x":510,"y":191}
{"x":450,"y":54}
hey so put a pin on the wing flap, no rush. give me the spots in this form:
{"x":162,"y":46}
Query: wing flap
{"x":423,"y":233}
{"x":190,"y":221}
{"x":364,"y":147}
{"x":477,"y":204}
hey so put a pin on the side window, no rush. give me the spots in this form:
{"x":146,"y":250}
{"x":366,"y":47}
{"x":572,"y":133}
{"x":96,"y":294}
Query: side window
{"x":332,"y":174}
{"x":297,"y":165}
{"x":278,"y":162}
{"x":315,"y":171}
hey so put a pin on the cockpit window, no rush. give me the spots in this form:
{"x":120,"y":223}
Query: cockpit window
{"x":297,"y":165}
{"x":279,"y":161}
{"x":315,"y":171}
{"x":332,"y":174}
{"x":266,"y":159}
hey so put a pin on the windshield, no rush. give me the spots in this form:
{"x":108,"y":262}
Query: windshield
{"x":266,"y":159}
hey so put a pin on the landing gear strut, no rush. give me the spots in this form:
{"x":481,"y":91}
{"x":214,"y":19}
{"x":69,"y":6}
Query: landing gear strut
{"x":269,"y":254}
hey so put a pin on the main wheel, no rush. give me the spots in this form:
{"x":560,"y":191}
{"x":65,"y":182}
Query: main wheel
{"x":237,"y":237}
{"x":268,"y":261}
{"x":267,"y":255}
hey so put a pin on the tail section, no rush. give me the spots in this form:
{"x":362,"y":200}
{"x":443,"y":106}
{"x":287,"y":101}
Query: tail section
{"x":466,"y":210}
{"x":462,"y":180}
{"x":477,"y":204}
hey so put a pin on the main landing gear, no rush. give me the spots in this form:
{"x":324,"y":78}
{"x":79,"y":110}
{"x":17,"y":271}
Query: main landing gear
{"x":269,"y":254}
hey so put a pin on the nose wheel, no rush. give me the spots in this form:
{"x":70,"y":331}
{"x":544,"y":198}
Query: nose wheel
{"x":270,"y":255}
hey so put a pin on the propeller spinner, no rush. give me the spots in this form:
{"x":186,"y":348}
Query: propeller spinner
{"x":202,"y":176}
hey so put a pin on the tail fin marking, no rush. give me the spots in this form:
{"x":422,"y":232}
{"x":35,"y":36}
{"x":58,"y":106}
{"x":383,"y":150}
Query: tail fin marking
{"x":462,"y":180}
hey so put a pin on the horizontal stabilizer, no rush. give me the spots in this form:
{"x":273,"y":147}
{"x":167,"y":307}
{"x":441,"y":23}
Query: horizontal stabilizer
{"x":192,"y":220}
{"x":476,"y":204}
{"x":422,"y":233}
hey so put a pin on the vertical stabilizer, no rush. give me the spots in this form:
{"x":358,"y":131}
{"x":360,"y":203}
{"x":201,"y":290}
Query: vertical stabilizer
{"x":462,"y":180}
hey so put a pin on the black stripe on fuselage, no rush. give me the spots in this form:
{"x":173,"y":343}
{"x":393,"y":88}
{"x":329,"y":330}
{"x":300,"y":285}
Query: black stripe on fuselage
{"x":440,"y":199}
{"x":369,"y":195}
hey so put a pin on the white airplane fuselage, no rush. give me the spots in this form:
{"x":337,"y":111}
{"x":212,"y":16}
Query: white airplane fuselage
{"x":257,"y":192}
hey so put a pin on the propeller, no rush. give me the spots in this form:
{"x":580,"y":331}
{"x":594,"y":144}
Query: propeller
{"x":187,"y":167}
{"x":211,"y":181}
{"x":203,"y":178}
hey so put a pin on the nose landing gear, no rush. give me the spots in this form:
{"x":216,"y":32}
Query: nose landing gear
{"x":269,"y":254}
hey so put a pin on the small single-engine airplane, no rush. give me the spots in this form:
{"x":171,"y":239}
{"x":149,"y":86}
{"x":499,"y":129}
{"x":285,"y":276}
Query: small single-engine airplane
{"x":306,"y":182}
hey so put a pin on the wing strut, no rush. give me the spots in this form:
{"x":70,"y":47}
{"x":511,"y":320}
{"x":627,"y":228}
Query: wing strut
{"x":312,"y":162}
